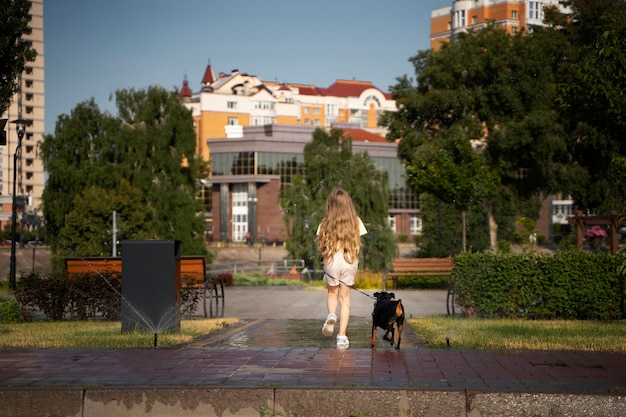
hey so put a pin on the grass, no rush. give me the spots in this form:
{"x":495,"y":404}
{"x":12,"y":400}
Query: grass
{"x":100,"y":334}
{"x":500,"y":334}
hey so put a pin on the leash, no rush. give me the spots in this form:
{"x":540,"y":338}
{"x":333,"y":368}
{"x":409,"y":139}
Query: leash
{"x":351,"y":286}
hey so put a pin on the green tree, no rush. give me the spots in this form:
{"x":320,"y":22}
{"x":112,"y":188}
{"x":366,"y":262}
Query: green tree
{"x":329,"y":162}
{"x":14,"y":51}
{"x":87,"y":229}
{"x":593,"y":103}
{"x":150,"y":144}
{"x":480,"y":121}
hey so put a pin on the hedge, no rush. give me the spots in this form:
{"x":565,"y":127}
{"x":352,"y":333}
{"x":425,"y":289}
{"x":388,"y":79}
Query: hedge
{"x":567,"y":285}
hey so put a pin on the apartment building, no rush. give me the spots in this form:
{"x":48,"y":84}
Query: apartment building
{"x":464,"y":15}
{"x":252,"y":131}
{"x":229,"y":101}
{"x":28,"y":104}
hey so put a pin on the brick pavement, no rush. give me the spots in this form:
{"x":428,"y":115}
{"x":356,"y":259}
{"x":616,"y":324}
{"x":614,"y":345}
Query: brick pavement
{"x":289,"y":367}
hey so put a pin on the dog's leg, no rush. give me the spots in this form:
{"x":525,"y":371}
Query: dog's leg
{"x":400,"y":321}
{"x":373,"y":336}
{"x":386,"y":336}
{"x":399,"y":325}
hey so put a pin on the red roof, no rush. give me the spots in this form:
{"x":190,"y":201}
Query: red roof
{"x":209,"y":76}
{"x":346,"y":88}
{"x":308,"y":90}
{"x":185,"y":91}
{"x":360,"y":135}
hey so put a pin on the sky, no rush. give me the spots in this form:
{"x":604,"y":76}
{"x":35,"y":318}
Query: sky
{"x":94,"y":48}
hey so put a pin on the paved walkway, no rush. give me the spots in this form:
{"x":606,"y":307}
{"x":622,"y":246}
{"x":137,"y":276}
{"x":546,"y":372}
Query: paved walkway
{"x":282,"y":357}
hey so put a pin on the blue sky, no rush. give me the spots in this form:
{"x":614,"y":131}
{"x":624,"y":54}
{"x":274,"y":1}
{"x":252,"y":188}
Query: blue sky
{"x":93,"y":48}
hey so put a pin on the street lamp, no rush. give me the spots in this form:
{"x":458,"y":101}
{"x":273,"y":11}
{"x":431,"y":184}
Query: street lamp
{"x":20,"y":126}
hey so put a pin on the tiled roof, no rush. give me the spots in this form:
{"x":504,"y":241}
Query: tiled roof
{"x":309,"y":90}
{"x":209,"y":76}
{"x":185,"y":91}
{"x":360,"y":135}
{"x":346,"y":88}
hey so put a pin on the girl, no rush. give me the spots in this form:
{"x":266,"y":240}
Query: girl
{"x":339,"y":241}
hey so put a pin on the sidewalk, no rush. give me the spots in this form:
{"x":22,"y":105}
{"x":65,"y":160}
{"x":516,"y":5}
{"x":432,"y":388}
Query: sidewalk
{"x":279,"y":361}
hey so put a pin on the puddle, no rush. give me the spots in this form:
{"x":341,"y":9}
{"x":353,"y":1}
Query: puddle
{"x":298,"y":334}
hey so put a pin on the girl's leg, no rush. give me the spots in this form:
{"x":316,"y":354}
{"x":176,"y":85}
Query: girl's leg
{"x":332,"y":299}
{"x":344,"y":308}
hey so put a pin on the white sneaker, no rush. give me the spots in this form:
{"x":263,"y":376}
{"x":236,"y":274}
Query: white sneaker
{"x":329,"y":325}
{"x":342,"y":341}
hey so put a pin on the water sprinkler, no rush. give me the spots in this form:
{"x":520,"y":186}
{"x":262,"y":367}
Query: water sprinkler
{"x":448,"y":341}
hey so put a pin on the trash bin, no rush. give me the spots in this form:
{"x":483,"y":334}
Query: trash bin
{"x":150,"y":286}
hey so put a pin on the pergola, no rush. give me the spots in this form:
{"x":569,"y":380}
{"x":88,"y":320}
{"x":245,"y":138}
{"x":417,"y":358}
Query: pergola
{"x":579,"y":221}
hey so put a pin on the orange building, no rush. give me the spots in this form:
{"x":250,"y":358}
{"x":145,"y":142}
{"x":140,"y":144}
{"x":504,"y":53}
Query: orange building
{"x":464,"y":15}
{"x":228,"y":102}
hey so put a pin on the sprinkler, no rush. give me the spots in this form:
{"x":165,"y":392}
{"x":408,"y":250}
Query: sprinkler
{"x":155,"y":339}
{"x":447,"y":341}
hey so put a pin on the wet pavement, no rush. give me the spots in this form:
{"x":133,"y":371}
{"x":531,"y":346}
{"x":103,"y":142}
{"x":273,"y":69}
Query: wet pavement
{"x":277,"y":356}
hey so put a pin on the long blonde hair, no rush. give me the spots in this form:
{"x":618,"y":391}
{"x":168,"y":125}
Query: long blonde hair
{"x":339,"y":229}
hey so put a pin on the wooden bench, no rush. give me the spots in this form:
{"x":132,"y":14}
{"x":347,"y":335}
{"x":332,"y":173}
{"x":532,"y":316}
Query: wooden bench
{"x":417,"y":267}
{"x":193,"y":276}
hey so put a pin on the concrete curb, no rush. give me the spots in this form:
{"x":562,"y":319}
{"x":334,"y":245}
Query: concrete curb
{"x":255,"y":402}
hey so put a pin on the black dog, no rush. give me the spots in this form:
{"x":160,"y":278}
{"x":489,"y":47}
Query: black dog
{"x":387,"y":313}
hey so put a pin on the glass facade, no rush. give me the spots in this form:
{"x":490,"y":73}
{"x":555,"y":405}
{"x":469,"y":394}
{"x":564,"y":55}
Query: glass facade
{"x":289,"y":164}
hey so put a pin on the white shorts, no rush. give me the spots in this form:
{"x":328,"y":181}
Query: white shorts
{"x":339,"y":271}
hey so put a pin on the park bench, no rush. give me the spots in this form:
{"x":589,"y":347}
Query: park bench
{"x":193,"y":277}
{"x":417,"y":267}
{"x":423,"y":267}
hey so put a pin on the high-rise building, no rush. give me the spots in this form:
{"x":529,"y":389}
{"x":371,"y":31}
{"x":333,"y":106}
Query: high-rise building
{"x":463,"y":15}
{"x":28,"y":104}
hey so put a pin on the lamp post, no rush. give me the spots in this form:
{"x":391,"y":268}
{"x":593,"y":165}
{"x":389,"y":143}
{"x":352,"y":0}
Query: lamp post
{"x":20,"y":126}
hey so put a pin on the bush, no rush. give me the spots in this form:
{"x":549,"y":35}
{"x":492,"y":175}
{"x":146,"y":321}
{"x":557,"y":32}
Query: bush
{"x":568,"y":285}
{"x":10,"y":311}
{"x":369,"y":280}
{"x":423,"y":282}
{"x":81,"y":296}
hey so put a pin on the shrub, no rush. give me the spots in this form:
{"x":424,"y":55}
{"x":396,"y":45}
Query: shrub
{"x":10,"y":311}
{"x":369,"y":280}
{"x":81,"y":296}
{"x":568,"y":285}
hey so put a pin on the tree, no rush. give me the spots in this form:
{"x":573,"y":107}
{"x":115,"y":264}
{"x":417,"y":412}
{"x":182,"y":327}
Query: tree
{"x":329,"y":163}
{"x":484,"y":91}
{"x":593,"y":103}
{"x":150,"y":144}
{"x":87,"y":229}
{"x":14,"y":51}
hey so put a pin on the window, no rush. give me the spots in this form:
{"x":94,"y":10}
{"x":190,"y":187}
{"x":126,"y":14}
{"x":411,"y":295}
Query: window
{"x":263,"y":105}
{"x":416,"y":224}
{"x":231,"y":104}
{"x":533,"y":10}
{"x":316,"y":110}
{"x":233,"y":121}
{"x":514,"y":15}
{"x":305,"y":110}
{"x":474,"y":20}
